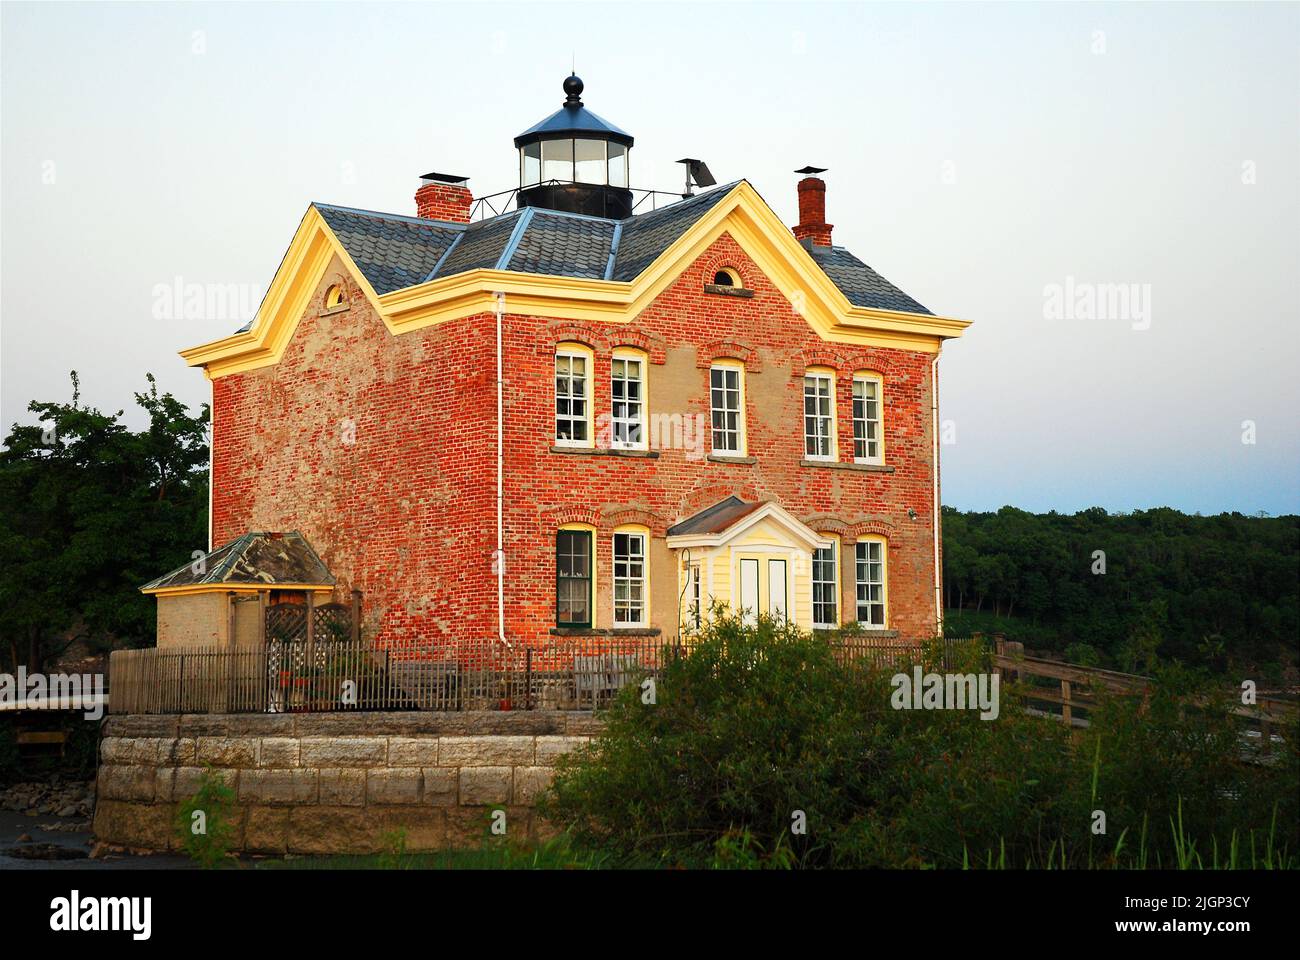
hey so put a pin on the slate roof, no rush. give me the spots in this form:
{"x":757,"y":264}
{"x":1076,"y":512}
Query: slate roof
{"x":862,"y":285}
{"x":565,"y":245}
{"x":394,"y":251}
{"x":716,"y":518}
{"x":263,"y":559}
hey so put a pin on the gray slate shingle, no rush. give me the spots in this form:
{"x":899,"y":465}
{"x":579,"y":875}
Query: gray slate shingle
{"x":862,"y":285}
{"x":396,"y":252}
{"x":481,"y":246}
{"x":647,"y":235}
{"x":564,"y":246}
{"x":393,"y":252}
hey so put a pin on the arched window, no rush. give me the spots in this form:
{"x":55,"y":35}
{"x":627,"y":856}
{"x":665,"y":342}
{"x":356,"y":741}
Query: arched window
{"x":335,"y":297}
{"x":726,"y":277}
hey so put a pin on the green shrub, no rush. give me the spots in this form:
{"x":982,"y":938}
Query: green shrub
{"x":760,"y":728}
{"x":205,"y":821}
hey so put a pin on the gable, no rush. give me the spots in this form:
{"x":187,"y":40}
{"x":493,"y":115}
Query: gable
{"x":478,"y":276}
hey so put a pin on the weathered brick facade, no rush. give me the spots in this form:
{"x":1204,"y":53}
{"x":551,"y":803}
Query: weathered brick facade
{"x":381,"y":449}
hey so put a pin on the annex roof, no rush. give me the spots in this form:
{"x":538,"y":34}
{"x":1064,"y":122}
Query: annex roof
{"x":255,"y":559}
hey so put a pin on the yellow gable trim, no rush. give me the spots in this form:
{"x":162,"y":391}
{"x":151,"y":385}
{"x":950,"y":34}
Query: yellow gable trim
{"x":742,"y":214}
{"x":191,"y":588}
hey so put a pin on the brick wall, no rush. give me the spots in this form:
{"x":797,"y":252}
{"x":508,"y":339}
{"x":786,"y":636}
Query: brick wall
{"x":406,"y":511}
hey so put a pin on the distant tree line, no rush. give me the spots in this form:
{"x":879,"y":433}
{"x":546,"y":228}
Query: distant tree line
{"x":1118,"y":589}
{"x":89,"y":511}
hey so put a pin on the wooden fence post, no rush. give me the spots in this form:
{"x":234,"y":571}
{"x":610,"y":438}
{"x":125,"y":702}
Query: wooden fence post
{"x":230,"y":649}
{"x":1067,"y":714}
{"x":309,"y":666}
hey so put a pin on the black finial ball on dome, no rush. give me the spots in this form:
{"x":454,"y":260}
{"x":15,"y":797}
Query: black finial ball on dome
{"x":572,"y":87}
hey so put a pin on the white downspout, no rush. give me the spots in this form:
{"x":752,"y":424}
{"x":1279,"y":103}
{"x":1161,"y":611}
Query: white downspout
{"x":500,"y":554}
{"x":934,"y":431}
{"x":212,"y":448}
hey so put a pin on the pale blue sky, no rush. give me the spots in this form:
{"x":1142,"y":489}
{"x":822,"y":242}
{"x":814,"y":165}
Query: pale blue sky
{"x":977,"y":154}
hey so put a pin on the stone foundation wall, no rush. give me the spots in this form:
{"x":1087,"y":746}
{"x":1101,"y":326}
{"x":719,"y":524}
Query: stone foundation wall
{"x":335,"y":783}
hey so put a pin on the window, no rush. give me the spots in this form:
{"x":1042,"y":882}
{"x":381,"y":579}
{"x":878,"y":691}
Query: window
{"x":723,"y":279}
{"x":818,"y":416}
{"x":335,"y":297}
{"x":530,"y":164}
{"x":629,"y":579}
{"x":572,"y":397}
{"x":776,"y":592}
{"x":825,"y":589}
{"x":725,"y":402}
{"x":871,"y":583}
{"x":573,"y":578}
{"x":867,"y":445}
{"x":589,"y":161}
{"x":627,"y":401}
{"x":557,"y":160}
{"x":617,"y":164}
{"x":695,"y":614}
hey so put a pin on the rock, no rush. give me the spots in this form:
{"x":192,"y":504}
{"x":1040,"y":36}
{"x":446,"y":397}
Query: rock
{"x":68,"y":811}
{"x":24,"y":838}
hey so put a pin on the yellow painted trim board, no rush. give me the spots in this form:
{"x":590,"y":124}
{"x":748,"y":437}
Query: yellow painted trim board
{"x":235,"y":588}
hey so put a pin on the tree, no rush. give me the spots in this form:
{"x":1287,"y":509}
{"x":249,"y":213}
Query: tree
{"x":90,"y":510}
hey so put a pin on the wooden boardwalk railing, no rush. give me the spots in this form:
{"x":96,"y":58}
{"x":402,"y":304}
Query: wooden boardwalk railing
{"x":1071,"y":689}
{"x":325,"y":675}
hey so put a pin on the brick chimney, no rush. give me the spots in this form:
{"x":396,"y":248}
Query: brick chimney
{"x":443,"y":197}
{"x":812,"y":208}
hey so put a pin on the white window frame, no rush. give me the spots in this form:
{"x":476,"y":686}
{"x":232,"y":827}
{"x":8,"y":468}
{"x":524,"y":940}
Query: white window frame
{"x":860,"y":584}
{"x":879,"y":420}
{"x":571,"y":352}
{"x":723,"y":367}
{"x":828,"y":378}
{"x":627,"y":579}
{"x":641,"y":420}
{"x":834,"y":582}
{"x":695,"y":609}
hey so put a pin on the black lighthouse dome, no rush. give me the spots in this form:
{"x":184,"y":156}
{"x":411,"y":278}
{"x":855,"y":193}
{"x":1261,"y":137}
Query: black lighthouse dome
{"x":575,"y":160}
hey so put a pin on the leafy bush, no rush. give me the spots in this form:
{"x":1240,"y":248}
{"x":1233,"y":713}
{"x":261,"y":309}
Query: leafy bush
{"x":204,"y":822}
{"x":760,"y":729}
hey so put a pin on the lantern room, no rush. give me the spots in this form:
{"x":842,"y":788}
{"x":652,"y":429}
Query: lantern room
{"x":575,"y":161}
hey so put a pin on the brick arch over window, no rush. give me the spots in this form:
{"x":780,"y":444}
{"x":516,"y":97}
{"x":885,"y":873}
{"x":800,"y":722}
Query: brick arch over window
{"x":815,"y":357}
{"x":727,"y":253}
{"x":823,"y":523}
{"x":877,"y":360}
{"x":638,"y":338}
{"x":729,"y":350}
{"x":339,"y":280}
{"x":866,"y":528}
{"x":631,"y":515}
{"x":573,"y":333}
{"x":558,"y":516}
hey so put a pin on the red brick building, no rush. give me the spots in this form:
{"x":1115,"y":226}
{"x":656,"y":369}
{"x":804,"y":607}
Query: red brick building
{"x":582,"y":416}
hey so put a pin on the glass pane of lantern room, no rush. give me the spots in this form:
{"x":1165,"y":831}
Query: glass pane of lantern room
{"x":557,"y":160}
{"x":530,"y":160}
{"x":617,"y":165}
{"x":589,"y":157}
